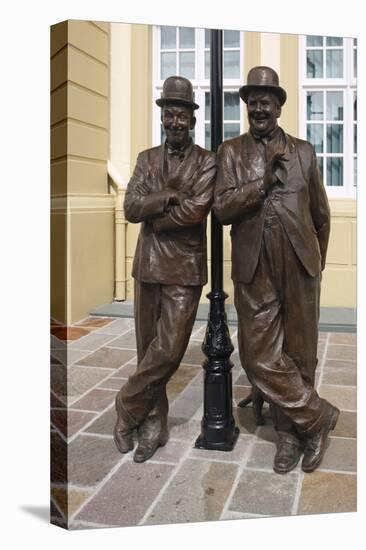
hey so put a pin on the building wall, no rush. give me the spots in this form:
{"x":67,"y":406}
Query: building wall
{"x":82,"y":210}
{"x":281,"y":52}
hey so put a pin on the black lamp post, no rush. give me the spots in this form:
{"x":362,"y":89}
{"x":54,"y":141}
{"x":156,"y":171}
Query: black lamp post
{"x":218,"y":431}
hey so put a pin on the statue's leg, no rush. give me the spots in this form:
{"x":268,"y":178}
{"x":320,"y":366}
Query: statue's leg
{"x":178,"y":307}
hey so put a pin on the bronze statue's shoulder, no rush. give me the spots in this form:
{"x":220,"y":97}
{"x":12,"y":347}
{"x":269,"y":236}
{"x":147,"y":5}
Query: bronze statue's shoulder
{"x":233,"y":143}
{"x":205,"y":153}
{"x":151,"y":152}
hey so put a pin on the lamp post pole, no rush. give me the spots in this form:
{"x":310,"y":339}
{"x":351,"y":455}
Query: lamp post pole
{"x":218,"y":430}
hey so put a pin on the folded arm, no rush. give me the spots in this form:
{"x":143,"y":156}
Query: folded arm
{"x":192,"y":209}
{"x":233,"y":199}
{"x":139,"y":203}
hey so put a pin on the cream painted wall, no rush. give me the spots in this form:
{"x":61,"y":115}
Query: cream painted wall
{"x":280,"y":52}
{"x":82,"y":211}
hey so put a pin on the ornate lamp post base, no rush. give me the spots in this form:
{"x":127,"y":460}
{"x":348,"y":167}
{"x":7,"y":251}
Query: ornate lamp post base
{"x":218,"y":426}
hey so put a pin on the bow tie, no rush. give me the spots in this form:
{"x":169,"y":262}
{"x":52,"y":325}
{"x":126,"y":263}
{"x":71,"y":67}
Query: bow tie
{"x":176,"y":153}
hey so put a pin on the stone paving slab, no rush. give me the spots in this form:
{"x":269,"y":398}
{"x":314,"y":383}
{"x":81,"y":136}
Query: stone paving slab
{"x":342,"y":352}
{"x":90,"y":459}
{"x":324,"y":492}
{"x":107,"y":358}
{"x":265,"y":493}
{"x":343,"y":397}
{"x":70,"y":422}
{"x":117,"y":327}
{"x":95,"y":400}
{"x":92,"y":342}
{"x":340,"y":376}
{"x":181,"y":483}
{"x":198,"y":492}
{"x":341,"y":455}
{"x":127,"y":495}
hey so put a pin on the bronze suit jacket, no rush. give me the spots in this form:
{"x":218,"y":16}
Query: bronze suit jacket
{"x":171,"y":247}
{"x":299,"y":200}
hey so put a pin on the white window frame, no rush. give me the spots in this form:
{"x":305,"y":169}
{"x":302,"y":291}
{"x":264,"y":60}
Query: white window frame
{"x":347,"y":84}
{"x":199,"y":83}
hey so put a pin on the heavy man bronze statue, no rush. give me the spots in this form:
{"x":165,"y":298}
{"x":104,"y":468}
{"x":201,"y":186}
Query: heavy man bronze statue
{"x":268,"y":188}
{"x":170,"y":192}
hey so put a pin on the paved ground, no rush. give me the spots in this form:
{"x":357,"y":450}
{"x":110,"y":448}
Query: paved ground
{"x":92,"y":360}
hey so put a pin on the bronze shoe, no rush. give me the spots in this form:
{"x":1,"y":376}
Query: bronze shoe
{"x":147,"y":447}
{"x":316,"y":445}
{"x":288,"y":453}
{"x":151,"y":434}
{"x":123,"y":430}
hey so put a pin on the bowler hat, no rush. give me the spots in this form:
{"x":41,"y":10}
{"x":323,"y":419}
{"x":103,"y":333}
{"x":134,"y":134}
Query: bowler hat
{"x":177,"y":89}
{"x":262,"y":78}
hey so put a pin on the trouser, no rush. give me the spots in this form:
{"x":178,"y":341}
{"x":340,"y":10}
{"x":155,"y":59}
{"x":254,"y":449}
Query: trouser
{"x":278,"y":314}
{"x":164,"y":317}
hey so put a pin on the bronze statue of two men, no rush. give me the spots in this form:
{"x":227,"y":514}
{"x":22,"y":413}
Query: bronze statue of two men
{"x":266,"y":184}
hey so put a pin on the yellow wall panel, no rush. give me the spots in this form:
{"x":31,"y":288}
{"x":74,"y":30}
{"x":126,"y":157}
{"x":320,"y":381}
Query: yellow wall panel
{"x":339,"y":287}
{"x":59,"y":105}
{"x":84,"y":141}
{"x":58,"y":267}
{"x":354,"y":242}
{"x":89,"y":38}
{"x":339,"y":250}
{"x":103,"y":26}
{"x":59,"y":177}
{"x":91,"y":262}
{"x":59,"y":69}
{"x":86,"y":177}
{"x":59,"y":141}
{"x":289,"y":80}
{"x":87,"y":71}
{"x":58,"y":37}
{"x":86,"y":106}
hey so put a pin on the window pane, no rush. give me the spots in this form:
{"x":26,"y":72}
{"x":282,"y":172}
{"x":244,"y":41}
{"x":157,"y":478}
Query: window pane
{"x":231,"y":130}
{"x":186,"y":64}
{"x":334,"y":63}
{"x":334,"y":172}
{"x":231,"y":106}
{"x":355,"y":106}
{"x":207,"y":38}
{"x":334,"y":41}
{"x":231,"y":64}
{"x":207,"y":136}
{"x":355,"y":138}
{"x":186,"y":38}
{"x":315,"y":136}
{"x":168,"y":65}
{"x":207,"y":65}
{"x":314,"y":64}
{"x":207,"y":106}
{"x":192,"y":134}
{"x":354,"y":63}
{"x":231,"y":39}
{"x":168,"y":38}
{"x":320,"y":166}
{"x":314,"y":102}
{"x":334,"y":105}
{"x":334,"y":138}
{"x":314,"y":40}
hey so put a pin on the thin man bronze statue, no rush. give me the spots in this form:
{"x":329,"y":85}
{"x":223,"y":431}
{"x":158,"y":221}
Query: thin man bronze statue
{"x":269,"y":189}
{"x":170,"y":192}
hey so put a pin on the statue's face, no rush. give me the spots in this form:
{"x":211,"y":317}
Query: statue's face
{"x":263,"y":111}
{"x":177,"y":121}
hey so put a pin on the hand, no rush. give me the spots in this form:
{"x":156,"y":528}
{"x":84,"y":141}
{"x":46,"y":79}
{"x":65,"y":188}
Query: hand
{"x":274,"y":163}
{"x":175,"y":197}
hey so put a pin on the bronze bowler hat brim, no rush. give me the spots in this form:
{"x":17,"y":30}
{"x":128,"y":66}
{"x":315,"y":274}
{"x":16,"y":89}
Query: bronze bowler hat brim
{"x":177,"y":89}
{"x":263,"y":78}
